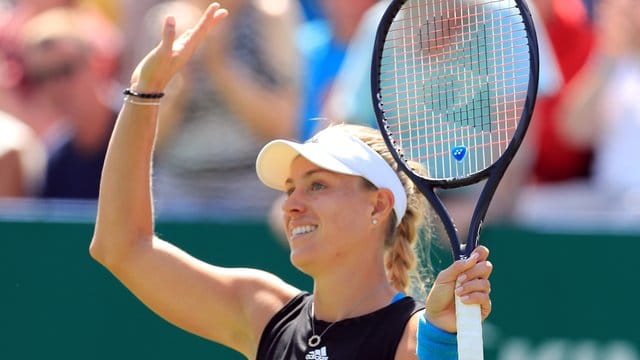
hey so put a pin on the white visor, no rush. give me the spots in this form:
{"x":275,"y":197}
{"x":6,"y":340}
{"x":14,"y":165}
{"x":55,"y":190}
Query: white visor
{"x":335,"y":150}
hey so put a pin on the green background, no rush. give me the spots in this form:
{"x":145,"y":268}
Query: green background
{"x":556,"y":296}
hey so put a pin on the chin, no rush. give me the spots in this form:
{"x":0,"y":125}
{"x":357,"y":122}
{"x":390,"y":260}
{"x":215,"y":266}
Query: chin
{"x":302,"y":260}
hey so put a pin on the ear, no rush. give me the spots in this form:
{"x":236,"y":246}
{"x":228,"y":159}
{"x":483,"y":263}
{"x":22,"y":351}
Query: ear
{"x":383,"y":205}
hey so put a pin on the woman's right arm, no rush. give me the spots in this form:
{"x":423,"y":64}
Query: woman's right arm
{"x":229,"y":306}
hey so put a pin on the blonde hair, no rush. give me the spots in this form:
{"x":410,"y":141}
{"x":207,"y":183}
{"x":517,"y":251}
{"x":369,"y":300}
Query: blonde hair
{"x":407,"y":260}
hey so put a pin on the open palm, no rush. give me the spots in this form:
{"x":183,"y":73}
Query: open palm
{"x":158,"y":67}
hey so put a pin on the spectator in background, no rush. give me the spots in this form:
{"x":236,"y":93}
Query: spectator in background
{"x":570,"y":34}
{"x":239,"y":91}
{"x":22,"y":158}
{"x":602,"y":110}
{"x":70,"y":56}
{"x":349,"y":99}
{"x":15,"y":99}
{"x":324,"y":42}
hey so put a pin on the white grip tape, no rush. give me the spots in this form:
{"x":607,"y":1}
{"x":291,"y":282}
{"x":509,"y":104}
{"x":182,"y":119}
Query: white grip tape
{"x":469,"y":324}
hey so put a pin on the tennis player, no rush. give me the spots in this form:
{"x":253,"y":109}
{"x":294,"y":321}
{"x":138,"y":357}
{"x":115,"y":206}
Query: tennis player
{"x":352,"y":222}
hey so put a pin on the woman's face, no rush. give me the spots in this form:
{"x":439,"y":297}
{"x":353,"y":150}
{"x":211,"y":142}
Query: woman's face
{"x":327,"y":217}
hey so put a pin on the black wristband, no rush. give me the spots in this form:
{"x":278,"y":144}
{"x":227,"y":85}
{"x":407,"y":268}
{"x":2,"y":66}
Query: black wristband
{"x":143,"y":95}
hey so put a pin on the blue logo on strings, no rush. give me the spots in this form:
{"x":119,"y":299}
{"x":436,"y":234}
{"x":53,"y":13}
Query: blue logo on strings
{"x":459,"y":152}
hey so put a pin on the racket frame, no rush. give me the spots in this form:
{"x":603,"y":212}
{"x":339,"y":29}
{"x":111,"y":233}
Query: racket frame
{"x":493,"y":174}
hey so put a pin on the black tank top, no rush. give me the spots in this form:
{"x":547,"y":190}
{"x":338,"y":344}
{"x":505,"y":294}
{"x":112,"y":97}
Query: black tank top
{"x":372,"y":336}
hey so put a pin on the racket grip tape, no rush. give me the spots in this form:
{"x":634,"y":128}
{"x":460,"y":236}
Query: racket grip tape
{"x":469,"y":325}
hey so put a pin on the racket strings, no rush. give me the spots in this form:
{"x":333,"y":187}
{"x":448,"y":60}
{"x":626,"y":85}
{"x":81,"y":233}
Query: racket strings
{"x":444,"y":89}
{"x":450,"y":40}
{"x":409,"y":68}
{"x":453,"y":80}
{"x":475,"y":116}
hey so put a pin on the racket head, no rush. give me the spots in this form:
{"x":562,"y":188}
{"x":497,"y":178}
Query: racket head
{"x":454,"y":84}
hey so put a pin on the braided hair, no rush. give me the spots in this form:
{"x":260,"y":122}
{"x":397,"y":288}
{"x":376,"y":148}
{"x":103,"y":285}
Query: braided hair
{"x":406,"y":246}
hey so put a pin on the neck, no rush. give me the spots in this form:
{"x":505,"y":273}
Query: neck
{"x":357,"y":295}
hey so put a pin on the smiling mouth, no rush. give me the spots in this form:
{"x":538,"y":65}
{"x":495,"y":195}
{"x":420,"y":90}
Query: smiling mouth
{"x":301,"y":230}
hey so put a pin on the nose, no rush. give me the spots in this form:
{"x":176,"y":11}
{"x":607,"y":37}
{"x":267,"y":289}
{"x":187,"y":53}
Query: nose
{"x":294,"y":202}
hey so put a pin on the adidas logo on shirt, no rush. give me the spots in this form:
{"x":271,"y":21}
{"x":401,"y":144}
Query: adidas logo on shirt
{"x":320,"y":354}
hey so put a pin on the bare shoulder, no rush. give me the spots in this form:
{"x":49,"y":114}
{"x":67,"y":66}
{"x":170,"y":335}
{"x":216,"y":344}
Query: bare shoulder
{"x":259,"y":293}
{"x":407,"y":346}
{"x":264,"y":294}
{"x":263,"y":288}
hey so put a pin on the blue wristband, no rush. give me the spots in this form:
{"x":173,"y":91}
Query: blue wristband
{"x":435,"y":343}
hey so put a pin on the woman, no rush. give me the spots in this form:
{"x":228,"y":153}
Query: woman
{"x":339,"y":228}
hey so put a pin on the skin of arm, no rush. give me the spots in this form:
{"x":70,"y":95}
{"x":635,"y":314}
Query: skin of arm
{"x":229,"y":306}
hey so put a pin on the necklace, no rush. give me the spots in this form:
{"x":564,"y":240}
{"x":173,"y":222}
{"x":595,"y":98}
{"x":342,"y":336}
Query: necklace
{"x":315,"y":339}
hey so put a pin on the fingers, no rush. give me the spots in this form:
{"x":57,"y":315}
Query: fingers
{"x":471,"y":287}
{"x":168,"y":34}
{"x":480,"y":270}
{"x":475,"y":280}
{"x":472,"y":284}
{"x":459,"y":267}
{"x":468,"y":279}
{"x":475,"y":266}
{"x":194,"y":35}
{"x":481,"y":298}
{"x":482,"y":251}
{"x":211,"y":16}
{"x":474,"y":273}
{"x":173,"y":52}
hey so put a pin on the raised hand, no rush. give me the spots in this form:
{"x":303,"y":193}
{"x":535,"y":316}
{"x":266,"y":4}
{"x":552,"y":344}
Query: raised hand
{"x":469,"y":279}
{"x":158,"y":67}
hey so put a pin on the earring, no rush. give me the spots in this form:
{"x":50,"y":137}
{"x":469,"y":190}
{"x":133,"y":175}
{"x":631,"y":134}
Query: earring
{"x":374,"y":221}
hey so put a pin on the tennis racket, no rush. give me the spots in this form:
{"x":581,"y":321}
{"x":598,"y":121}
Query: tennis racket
{"x":454,"y":84}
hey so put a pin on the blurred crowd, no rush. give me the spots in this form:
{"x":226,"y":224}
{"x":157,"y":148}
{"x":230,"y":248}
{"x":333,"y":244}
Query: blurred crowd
{"x":287,"y":68}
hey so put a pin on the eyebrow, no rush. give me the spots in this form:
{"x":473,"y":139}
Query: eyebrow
{"x":308,"y":174}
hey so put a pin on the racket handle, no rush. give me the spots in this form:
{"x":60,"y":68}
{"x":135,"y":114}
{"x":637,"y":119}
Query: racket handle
{"x":469,"y":324}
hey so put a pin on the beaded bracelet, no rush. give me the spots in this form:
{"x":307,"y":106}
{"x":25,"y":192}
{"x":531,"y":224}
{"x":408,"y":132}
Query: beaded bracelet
{"x":130,"y":92}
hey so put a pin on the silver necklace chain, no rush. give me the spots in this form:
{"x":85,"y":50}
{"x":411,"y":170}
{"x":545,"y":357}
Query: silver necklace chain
{"x":315,"y":339}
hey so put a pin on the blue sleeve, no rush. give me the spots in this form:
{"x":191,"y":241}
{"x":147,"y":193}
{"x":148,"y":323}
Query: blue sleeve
{"x":434,"y":343}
